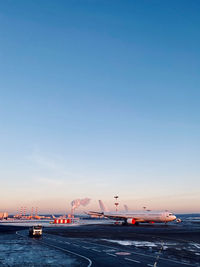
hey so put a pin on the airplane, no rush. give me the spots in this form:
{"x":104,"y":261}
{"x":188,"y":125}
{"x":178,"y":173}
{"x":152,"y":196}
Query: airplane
{"x":134,"y":218}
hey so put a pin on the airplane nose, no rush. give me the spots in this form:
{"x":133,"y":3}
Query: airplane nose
{"x":174,"y":217}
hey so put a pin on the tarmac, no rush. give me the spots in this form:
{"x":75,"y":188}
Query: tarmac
{"x":156,"y":245}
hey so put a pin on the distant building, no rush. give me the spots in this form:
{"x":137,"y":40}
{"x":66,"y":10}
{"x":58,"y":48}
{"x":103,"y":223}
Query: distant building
{"x":3,"y":215}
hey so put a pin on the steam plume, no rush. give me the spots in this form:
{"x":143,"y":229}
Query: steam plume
{"x":79,"y":202}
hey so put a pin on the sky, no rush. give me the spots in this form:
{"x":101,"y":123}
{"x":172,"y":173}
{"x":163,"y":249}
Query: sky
{"x":98,"y":98}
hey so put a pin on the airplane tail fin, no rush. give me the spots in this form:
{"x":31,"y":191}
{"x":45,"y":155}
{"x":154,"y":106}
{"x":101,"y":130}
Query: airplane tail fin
{"x":102,"y":206}
{"x":126,"y":208}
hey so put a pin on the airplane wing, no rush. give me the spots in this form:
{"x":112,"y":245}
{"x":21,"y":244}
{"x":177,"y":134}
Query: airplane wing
{"x":115,"y":217}
{"x":95,"y":213}
{"x":101,"y":214}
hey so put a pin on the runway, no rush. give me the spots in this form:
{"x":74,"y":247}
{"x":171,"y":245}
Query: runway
{"x":91,"y":252}
{"x":103,"y":244}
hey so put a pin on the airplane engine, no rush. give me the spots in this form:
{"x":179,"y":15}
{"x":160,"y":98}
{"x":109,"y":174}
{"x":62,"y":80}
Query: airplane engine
{"x":131,"y":221}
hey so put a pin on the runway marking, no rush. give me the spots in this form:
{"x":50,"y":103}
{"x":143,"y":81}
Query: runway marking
{"x":132,"y":260}
{"x":111,"y":254}
{"x":122,"y":253}
{"x":114,"y":249}
{"x":142,"y":254}
{"x":159,"y":253}
{"x":66,"y":250}
{"x":109,"y":250}
{"x":96,"y":250}
{"x":146,"y":255}
{"x":90,"y":262}
{"x":180,"y":262}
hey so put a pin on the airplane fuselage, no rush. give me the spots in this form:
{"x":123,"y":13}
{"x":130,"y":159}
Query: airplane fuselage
{"x":137,"y":217}
{"x":143,"y":216}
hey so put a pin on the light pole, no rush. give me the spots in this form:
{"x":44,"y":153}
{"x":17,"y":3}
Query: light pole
{"x":116,"y":202}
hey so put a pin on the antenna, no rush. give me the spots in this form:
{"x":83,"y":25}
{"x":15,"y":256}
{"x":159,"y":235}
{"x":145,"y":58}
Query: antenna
{"x":24,"y":211}
{"x":21,"y":210}
{"x":116,"y":202}
{"x":36,"y":211}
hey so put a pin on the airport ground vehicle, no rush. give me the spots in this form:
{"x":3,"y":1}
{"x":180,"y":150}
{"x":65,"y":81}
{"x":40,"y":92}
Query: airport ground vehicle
{"x":35,"y":231}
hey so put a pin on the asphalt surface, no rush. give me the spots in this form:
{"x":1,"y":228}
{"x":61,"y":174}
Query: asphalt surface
{"x":97,"y":245}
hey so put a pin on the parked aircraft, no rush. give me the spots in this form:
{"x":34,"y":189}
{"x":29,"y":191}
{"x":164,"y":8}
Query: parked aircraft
{"x":128,"y":217}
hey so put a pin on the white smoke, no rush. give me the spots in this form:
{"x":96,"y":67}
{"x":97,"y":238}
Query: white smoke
{"x":80,"y":202}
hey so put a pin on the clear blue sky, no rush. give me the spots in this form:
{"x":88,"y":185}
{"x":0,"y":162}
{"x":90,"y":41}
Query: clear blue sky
{"x":98,"y":98}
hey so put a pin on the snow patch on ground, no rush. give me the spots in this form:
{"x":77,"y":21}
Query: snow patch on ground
{"x":133,"y":243}
{"x":196,"y":245}
{"x":141,"y":244}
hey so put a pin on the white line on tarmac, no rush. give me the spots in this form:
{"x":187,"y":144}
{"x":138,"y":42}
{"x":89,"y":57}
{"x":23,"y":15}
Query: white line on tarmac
{"x":96,"y":250}
{"x":66,"y":250}
{"x":90,"y":262}
{"x":114,"y":248}
{"x":111,"y":254}
{"x":179,"y":262}
{"x":109,"y":250}
{"x":142,"y":254}
{"x":131,"y":260}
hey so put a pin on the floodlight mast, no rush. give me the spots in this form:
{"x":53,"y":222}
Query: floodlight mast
{"x":116,"y":202}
